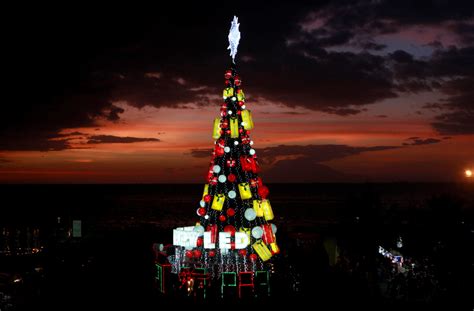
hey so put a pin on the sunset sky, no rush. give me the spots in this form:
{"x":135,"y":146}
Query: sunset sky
{"x":339,"y":91}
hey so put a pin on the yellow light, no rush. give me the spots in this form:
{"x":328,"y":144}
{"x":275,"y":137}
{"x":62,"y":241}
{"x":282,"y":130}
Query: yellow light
{"x":468,"y":173}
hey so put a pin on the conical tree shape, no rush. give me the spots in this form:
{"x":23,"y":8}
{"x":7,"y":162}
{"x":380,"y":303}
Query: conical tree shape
{"x":234,"y":230}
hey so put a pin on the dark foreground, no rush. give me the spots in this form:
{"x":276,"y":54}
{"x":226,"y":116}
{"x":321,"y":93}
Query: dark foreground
{"x":329,"y":235}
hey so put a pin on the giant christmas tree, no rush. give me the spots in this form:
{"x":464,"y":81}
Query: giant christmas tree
{"x":234,"y":234}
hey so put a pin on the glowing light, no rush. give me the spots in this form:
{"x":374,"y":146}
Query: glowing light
{"x":468,"y":173}
{"x":234,"y":37}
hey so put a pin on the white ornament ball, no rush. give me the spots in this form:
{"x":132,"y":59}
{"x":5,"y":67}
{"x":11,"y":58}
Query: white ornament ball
{"x":252,"y":151}
{"x":242,"y":123}
{"x":216,"y":168}
{"x":250,"y":214}
{"x":202,"y":203}
{"x":257,"y":232}
{"x":199,"y":229}
{"x":243,"y":107}
{"x":251,"y":143}
{"x":229,"y":112}
{"x":232,"y":194}
{"x":236,"y":143}
{"x":222,"y":178}
{"x":206,"y":216}
{"x":234,"y":98}
{"x":226,"y":149}
{"x":274,"y":229}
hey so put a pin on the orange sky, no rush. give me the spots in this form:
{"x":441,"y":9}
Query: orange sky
{"x":181,"y":130}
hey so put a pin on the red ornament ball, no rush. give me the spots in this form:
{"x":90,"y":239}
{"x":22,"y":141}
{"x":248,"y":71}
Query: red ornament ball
{"x":219,"y":151}
{"x":228,"y":74}
{"x":213,"y":181}
{"x":241,"y":130}
{"x":224,"y":124}
{"x":207,"y":198}
{"x":231,"y":177}
{"x":189,"y":254}
{"x":228,"y":132}
{"x":212,"y":253}
{"x":253,"y":257}
{"x":199,"y":242}
{"x":222,"y":218}
{"x":230,"y":212}
{"x":229,"y":228}
{"x":243,"y":252}
{"x":201,"y":211}
{"x":197,"y":253}
{"x":237,"y":80}
{"x":227,"y":83}
{"x":241,"y":103}
{"x":263,"y":192}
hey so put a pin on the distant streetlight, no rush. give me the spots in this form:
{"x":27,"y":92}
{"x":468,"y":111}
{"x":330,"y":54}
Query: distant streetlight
{"x":468,"y":173}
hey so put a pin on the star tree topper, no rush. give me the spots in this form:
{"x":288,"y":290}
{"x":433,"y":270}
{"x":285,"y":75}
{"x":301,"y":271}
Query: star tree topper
{"x":234,"y":37}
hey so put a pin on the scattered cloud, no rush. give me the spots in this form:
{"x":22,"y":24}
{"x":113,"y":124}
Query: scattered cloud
{"x":110,"y":139}
{"x":201,"y":153}
{"x":416,"y":141}
{"x":316,"y":153}
{"x":153,"y":75}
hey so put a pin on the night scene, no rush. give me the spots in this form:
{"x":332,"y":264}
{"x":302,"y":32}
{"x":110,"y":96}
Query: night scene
{"x":316,"y":154}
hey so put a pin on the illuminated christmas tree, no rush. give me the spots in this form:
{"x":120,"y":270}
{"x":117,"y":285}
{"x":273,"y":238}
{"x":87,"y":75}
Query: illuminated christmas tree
{"x":234,"y":237}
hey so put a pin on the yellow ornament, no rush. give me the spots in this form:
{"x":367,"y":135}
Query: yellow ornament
{"x":257,"y":206}
{"x":234,"y":127}
{"x":244,"y":190}
{"x":218,"y":202}
{"x":262,"y":250}
{"x":216,"y":131}
{"x":247,"y":119}
{"x":228,"y":92}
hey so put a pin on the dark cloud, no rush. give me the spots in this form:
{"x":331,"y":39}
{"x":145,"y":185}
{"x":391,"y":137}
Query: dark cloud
{"x":201,"y":153}
{"x":356,"y":23}
{"x":76,"y":133}
{"x":416,"y":141}
{"x":455,"y":123}
{"x":3,"y":160}
{"x":450,"y":72}
{"x":293,"y":112}
{"x":30,"y":140}
{"x":110,"y":139}
{"x":113,"y":113}
{"x":458,"y":108}
{"x":317,"y":153}
{"x":73,"y":75}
